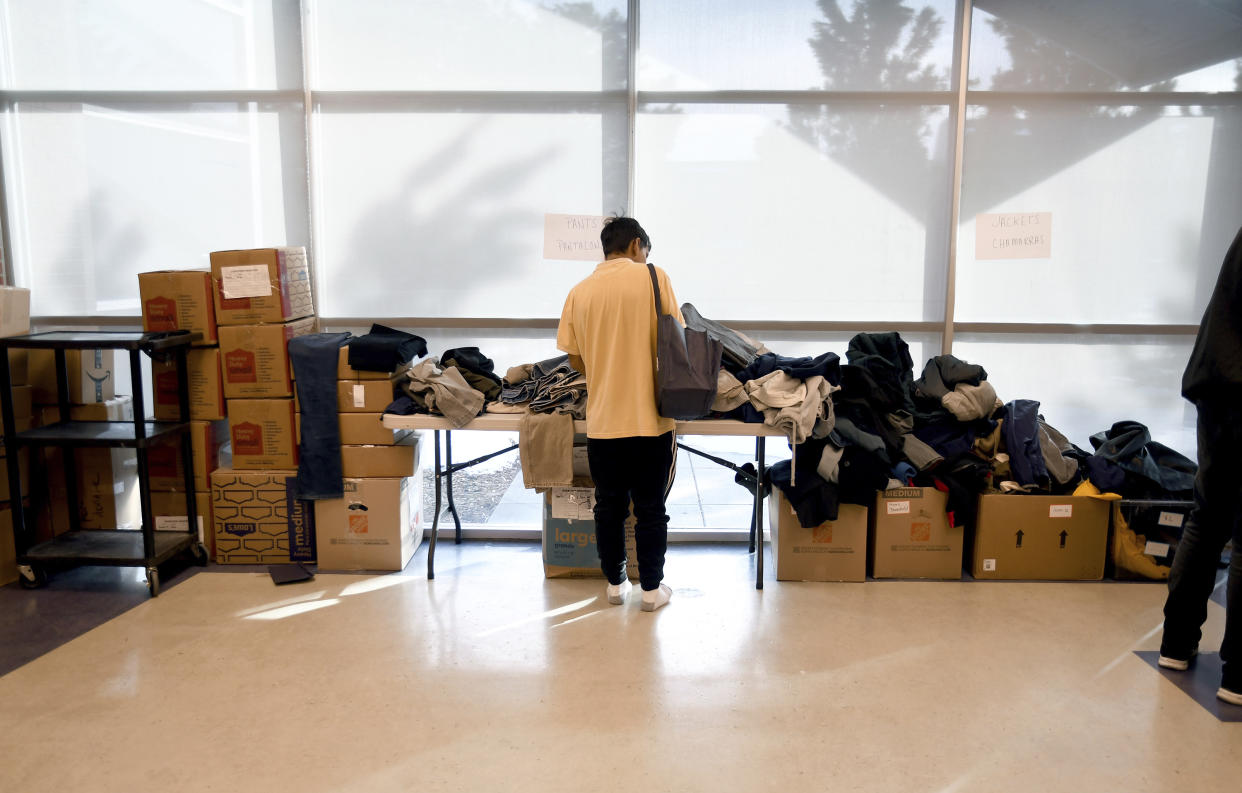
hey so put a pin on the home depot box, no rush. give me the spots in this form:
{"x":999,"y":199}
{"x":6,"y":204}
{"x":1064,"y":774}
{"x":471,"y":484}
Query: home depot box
{"x":1144,"y":537}
{"x":365,"y":396}
{"x":168,"y":512}
{"x":367,"y":429}
{"x":832,"y":551}
{"x":91,"y":376}
{"x":1042,"y":538}
{"x":377,"y":525}
{"x":263,"y":433}
{"x":395,"y":460}
{"x":206,"y":386}
{"x":911,"y":537}
{"x":14,"y":311}
{"x":258,"y":518}
{"x":260,"y":285}
{"x":569,"y":549}
{"x":346,"y":372}
{"x":255,"y":358}
{"x":179,"y":300}
{"x":164,"y":457}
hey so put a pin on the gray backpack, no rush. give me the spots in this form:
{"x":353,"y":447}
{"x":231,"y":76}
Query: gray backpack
{"x":687,"y":362}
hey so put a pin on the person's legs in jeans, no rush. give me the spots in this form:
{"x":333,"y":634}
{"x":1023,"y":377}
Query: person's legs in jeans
{"x":652,"y":464}
{"x":1212,"y":521}
{"x":610,"y":469}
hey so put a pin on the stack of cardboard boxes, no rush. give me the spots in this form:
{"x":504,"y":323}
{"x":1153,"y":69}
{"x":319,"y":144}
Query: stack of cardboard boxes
{"x":184,"y":300}
{"x":262,"y":300}
{"x":378,"y":524}
{"x":14,"y":321}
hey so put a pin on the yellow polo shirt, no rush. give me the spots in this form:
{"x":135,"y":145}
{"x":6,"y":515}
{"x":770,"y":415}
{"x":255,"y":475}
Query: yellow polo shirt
{"x":609,"y":321}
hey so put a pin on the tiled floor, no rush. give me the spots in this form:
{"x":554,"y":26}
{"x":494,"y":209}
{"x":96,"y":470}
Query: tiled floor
{"x":493,"y":678}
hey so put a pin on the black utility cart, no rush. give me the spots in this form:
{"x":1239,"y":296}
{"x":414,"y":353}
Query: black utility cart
{"x":120,"y":547}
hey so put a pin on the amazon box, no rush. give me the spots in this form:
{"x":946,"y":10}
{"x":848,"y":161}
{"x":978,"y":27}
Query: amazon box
{"x":164,"y":457}
{"x":258,"y":518}
{"x":107,"y":485}
{"x":179,"y":300}
{"x":255,"y":358}
{"x":92,"y":376}
{"x":365,"y":396}
{"x":1040,"y":538}
{"x":911,"y":537}
{"x":263,"y":433}
{"x":346,"y":372}
{"x":569,"y":549}
{"x":206,"y":386}
{"x":832,"y":551}
{"x":168,"y":512}
{"x":261,"y":285}
{"x":376,"y":526}
{"x":367,"y":429}
{"x":391,"y":461}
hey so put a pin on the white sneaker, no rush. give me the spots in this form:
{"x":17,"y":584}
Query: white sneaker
{"x":617,"y":592}
{"x":1176,"y":664}
{"x":1226,"y":695}
{"x":655,"y":598}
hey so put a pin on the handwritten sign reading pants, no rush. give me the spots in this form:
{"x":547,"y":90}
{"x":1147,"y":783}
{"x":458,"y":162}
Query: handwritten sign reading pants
{"x":1014,"y":235}
{"x":572,"y":237}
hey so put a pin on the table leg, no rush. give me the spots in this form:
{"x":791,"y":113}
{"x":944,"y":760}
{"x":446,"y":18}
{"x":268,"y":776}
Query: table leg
{"x":448,"y":466}
{"x":435,"y":512}
{"x":760,"y":448}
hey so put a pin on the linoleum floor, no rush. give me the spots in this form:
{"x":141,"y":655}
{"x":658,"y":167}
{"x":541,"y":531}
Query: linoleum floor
{"x":492,"y":678}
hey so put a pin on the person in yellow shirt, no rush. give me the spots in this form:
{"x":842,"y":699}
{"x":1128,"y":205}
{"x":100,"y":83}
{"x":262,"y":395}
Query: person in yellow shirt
{"x":608,"y":327}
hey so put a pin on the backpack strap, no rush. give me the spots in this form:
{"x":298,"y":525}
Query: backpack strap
{"x":655,"y":286}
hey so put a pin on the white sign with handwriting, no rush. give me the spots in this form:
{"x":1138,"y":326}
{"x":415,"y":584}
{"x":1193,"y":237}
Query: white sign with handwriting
{"x":1014,"y":235}
{"x":572,"y":237}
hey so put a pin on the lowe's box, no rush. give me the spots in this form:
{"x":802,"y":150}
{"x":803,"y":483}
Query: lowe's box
{"x":259,"y":519}
{"x":378,"y":525}
{"x":911,"y":536}
{"x":833,"y":551}
{"x":569,"y":549}
{"x":1040,"y":538}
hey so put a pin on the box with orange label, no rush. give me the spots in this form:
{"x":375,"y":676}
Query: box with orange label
{"x":165,"y":471}
{"x":832,"y":551}
{"x":263,"y":433}
{"x":261,"y":285}
{"x":255,"y":358}
{"x":1040,"y":538}
{"x":911,"y":537}
{"x":376,"y":526}
{"x":178,"y":300}
{"x":258,"y":518}
{"x":206,"y":386}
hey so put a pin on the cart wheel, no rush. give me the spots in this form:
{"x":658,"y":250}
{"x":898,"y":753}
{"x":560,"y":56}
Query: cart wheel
{"x":199,"y":553}
{"x":153,"y":581}
{"x":32,"y":576}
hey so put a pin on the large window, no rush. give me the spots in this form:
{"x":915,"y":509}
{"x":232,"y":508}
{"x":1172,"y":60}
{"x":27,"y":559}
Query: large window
{"x":822,"y":166}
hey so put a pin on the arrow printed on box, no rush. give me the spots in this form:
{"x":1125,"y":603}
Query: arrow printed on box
{"x":1064,"y":534}
{"x":1019,"y":536}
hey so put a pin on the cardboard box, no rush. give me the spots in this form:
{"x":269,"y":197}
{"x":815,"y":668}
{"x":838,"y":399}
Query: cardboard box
{"x":119,"y":408}
{"x":164,"y":458}
{"x":377,"y":525}
{"x":107,"y":485}
{"x":346,"y":372}
{"x":178,"y":300}
{"x":258,"y":518}
{"x":19,"y":366}
{"x":911,"y":537}
{"x":833,"y":551}
{"x":8,"y":546}
{"x":23,"y":458}
{"x":367,"y":429}
{"x":1040,"y":538}
{"x":261,"y":285}
{"x":569,"y":549}
{"x":14,"y":311}
{"x":206,"y":386}
{"x":168,"y":512}
{"x":263,"y":432}
{"x":255,"y":358}
{"x":1144,"y":538}
{"x":23,"y":402}
{"x":392,"y":461}
{"x":365,"y":396}
{"x":92,"y":376}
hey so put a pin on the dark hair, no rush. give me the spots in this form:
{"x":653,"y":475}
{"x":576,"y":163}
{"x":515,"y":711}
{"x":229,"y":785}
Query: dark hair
{"x":618,"y":232}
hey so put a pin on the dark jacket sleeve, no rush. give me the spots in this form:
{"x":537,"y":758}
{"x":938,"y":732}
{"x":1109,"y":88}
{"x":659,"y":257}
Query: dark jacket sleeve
{"x":1216,"y":360}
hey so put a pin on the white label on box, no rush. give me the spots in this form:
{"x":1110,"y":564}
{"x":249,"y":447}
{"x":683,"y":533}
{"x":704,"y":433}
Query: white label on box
{"x":1156,"y":549}
{"x":247,"y":280}
{"x":898,"y":507}
{"x":1173,"y":519}
{"x":573,"y":503}
{"x":360,"y":396}
{"x":1061,"y":511}
{"x":989,"y":565}
{"x":177,"y":523}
